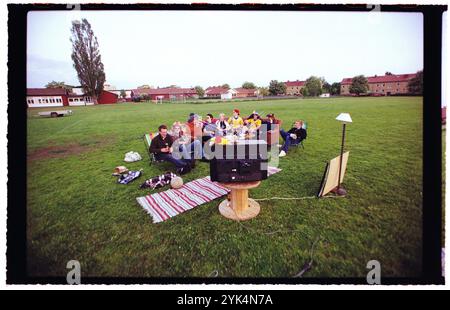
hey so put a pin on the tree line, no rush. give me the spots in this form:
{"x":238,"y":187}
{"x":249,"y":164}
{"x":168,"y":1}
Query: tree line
{"x":314,"y":86}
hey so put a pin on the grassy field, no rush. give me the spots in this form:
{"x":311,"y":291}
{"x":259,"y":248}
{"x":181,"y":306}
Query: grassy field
{"x":75,"y":209}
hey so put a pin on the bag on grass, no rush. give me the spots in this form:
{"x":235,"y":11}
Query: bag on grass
{"x":129,"y":177}
{"x":132,"y":156}
{"x":159,"y":181}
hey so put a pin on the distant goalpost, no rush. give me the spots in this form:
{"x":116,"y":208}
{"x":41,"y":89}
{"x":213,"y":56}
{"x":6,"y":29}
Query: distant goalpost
{"x":159,"y":99}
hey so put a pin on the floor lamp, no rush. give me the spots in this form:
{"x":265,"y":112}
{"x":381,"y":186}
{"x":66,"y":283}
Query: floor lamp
{"x":345,"y":119}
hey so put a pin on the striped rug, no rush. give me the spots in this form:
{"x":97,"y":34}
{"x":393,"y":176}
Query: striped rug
{"x":164,"y":205}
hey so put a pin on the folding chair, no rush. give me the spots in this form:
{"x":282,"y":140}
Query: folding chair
{"x":148,"y":141}
{"x":298,"y":144}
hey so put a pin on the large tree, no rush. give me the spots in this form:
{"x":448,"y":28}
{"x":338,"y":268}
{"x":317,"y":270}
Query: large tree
{"x":248,"y":85}
{"x":277,"y":88}
{"x":200,"y":91}
{"x":313,"y":86}
{"x":359,"y":85}
{"x":335,"y":88}
{"x":54,"y":84}
{"x":415,"y":85}
{"x":263,"y":91}
{"x":123,"y":94}
{"x":226,"y":86}
{"x":86,"y":58}
{"x":326,"y":87}
{"x":304,"y":91}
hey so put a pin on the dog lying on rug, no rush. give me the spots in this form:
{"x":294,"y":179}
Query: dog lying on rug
{"x":159,"y":181}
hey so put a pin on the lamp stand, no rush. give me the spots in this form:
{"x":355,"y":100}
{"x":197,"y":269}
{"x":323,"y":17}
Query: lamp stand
{"x":339,"y":190}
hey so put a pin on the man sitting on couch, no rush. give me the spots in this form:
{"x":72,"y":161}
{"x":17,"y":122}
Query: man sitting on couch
{"x":294,"y":136}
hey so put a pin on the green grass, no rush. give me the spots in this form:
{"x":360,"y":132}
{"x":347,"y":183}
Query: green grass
{"x":75,"y":209}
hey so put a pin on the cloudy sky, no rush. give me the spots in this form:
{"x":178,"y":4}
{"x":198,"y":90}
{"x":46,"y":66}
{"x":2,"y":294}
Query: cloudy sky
{"x":207,"y":48}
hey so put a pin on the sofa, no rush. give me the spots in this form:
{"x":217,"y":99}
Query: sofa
{"x":273,"y":136}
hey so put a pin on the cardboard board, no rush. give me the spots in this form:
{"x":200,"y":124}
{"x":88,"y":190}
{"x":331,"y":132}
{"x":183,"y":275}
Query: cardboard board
{"x":331,"y":175}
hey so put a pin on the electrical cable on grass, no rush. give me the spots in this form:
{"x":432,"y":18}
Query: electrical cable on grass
{"x":213,"y":274}
{"x":279,"y":198}
{"x":262,"y":232}
{"x":307,"y":266}
{"x":295,"y":198}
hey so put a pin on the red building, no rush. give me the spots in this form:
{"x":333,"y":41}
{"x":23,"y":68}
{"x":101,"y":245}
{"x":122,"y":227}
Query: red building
{"x":215,"y":91}
{"x":58,"y":97}
{"x":168,"y":93}
{"x":244,"y":92}
{"x":107,"y":97}
{"x":47,"y":97}
{"x":384,"y":85}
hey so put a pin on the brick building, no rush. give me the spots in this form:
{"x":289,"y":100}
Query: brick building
{"x":385,"y":85}
{"x":216,"y":91}
{"x":245,"y":92}
{"x":293,"y":88}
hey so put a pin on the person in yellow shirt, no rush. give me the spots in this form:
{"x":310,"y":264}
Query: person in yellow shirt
{"x":236,"y":122}
{"x":254,"y":122}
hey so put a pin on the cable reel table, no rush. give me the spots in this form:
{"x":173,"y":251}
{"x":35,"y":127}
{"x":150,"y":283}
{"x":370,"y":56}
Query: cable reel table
{"x":239,"y":207}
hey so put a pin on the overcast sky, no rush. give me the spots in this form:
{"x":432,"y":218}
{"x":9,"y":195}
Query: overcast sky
{"x":207,"y":48}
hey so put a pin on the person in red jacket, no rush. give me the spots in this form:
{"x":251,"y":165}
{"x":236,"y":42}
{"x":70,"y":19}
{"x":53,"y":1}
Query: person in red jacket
{"x":195,"y":127}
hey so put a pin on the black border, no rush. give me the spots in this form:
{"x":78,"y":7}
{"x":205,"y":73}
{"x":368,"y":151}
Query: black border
{"x":432,"y":152}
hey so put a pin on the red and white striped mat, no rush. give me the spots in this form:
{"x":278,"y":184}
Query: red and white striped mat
{"x":164,"y":205}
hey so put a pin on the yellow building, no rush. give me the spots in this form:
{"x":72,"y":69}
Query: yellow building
{"x":293,"y":88}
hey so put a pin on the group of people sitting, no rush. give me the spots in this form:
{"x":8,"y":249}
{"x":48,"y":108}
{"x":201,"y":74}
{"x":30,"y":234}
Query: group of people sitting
{"x":183,"y":143}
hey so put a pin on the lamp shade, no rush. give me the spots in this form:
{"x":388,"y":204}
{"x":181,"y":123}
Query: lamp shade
{"x":344,"y":117}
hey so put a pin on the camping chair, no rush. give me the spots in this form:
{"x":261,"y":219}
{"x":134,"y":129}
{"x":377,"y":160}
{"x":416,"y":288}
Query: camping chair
{"x":148,"y":141}
{"x":305,"y":126}
{"x":298,"y":144}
